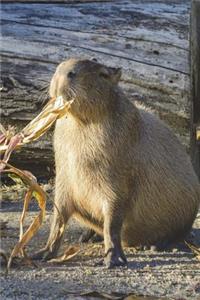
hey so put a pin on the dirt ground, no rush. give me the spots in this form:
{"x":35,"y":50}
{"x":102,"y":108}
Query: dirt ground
{"x":173,"y":274}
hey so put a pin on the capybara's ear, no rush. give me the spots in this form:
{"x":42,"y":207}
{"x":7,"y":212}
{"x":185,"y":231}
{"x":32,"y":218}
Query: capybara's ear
{"x":112,"y":74}
{"x":116,"y":74}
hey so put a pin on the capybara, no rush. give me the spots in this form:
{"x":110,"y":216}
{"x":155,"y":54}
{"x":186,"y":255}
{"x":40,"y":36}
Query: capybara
{"x":119,"y":169}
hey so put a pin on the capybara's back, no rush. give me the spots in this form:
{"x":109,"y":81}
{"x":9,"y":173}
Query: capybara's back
{"x":168,"y":192}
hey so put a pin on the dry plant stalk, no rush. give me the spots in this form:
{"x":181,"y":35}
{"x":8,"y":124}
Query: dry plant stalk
{"x":55,"y":108}
{"x":37,"y":192}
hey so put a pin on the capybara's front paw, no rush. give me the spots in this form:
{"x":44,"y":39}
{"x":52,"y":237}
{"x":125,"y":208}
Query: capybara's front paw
{"x":115,"y":258}
{"x":90,"y":236}
{"x":43,"y":254}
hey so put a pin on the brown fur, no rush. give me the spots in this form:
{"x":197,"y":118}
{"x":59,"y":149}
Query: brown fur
{"x":119,"y":169}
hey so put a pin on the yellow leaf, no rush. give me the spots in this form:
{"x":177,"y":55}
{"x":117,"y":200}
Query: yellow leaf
{"x":194,"y":249}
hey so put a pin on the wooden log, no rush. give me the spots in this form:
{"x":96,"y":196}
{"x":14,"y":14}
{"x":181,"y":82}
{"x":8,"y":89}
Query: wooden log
{"x":149,"y":40}
{"x":195,"y":84}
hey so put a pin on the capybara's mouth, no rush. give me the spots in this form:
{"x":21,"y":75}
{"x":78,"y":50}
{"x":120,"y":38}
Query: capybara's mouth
{"x":67,"y":99}
{"x":68,"y":95}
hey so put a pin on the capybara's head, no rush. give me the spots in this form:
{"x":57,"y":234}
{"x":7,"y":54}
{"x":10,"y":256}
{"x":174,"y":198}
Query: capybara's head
{"x":90,"y":84}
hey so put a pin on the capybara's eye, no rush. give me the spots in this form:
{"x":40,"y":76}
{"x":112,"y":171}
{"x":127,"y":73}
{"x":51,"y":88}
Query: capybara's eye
{"x":71,"y":74}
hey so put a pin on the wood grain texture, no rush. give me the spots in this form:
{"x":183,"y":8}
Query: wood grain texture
{"x":148,"y":39}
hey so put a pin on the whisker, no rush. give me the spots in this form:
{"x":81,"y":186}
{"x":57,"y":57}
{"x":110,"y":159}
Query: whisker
{"x":44,"y":87}
{"x":43,"y":96}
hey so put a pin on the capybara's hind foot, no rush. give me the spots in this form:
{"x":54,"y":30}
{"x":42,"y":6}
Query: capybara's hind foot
{"x":115,"y":258}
